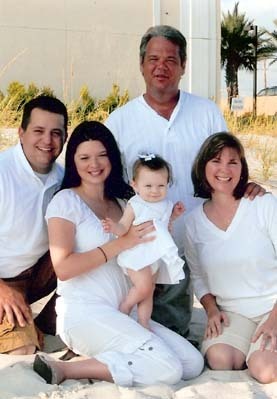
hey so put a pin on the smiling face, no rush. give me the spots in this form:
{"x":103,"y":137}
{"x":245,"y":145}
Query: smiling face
{"x":151,"y":185}
{"x":43,"y":138}
{"x":92,"y":162}
{"x":223,"y":172}
{"x":161,"y":67}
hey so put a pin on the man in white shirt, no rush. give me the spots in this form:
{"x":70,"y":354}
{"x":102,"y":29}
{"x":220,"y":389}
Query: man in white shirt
{"x":29,"y":177}
{"x":173,"y":124}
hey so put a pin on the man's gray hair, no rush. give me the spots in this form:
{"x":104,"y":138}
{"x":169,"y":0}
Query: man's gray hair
{"x":167,"y":32}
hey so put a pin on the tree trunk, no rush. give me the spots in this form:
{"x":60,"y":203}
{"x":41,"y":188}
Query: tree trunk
{"x":231,"y":79}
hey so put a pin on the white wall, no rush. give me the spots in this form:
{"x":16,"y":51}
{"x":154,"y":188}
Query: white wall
{"x":70,"y":43}
{"x":200,"y":23}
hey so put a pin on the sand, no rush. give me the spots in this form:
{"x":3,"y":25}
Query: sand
{"x":18,"y":380}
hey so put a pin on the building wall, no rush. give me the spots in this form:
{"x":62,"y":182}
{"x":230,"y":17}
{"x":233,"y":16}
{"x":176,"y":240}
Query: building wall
{"x":202,"y":28}
{"x":70,"y":43}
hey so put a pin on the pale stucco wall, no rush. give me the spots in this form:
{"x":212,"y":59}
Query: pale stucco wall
{"x":70,"y":43}
{"x":265,"y":105}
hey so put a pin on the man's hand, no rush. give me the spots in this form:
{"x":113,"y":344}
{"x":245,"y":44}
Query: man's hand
{"x":252,"y":190}
{"x":13,"y":305}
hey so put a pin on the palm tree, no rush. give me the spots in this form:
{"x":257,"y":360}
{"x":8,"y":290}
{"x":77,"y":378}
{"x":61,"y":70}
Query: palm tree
{"x":237,"y":48}
{"x":273,"y":39}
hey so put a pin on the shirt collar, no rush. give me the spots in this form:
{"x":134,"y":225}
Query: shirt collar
{"x":23,"y":166}
{"x":176,"y":109}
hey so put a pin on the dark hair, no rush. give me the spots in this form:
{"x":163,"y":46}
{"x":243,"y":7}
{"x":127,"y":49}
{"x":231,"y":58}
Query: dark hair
{"x":152,"y":162}
{"x":167,"y":32}
{"x":211,"y":147}
{"x":46,"y":103}
{"x":115,"y":186}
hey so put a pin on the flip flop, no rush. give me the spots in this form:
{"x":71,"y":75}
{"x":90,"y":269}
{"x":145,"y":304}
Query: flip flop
{"x":42,"y":367}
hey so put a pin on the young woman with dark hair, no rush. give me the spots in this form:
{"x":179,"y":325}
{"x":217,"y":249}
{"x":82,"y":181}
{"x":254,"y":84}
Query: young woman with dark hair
{"x":91,"y":286}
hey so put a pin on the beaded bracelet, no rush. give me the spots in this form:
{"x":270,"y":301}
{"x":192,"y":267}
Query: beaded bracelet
{"x":104,"y":253}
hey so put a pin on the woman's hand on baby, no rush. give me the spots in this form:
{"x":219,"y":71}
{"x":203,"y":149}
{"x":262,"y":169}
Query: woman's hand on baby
{"x":214,"y":326}
{"x":139,"y":234}
{"x":268,"y":331}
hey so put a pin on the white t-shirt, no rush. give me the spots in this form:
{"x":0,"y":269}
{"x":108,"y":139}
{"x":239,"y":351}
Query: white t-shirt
{"x":23,"y":201}
{"x":239,"y":265}
{"x":105,"y":284}
{"x":138,"y":128}
{"x":96,"y":294}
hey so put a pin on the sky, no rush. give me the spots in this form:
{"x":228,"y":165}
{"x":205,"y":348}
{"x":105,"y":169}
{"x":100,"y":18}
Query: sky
{"x":262,"y":12}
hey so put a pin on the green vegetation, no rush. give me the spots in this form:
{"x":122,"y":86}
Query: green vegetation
{"x":257,"y":134}
{"x":84,"y":108}
{"x":248,"y":124}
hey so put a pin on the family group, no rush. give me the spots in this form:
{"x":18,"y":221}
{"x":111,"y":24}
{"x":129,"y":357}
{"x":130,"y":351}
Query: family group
{"x":150,"y":207}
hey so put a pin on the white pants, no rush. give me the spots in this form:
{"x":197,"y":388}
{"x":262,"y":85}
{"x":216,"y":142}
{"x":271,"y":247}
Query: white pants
{"x":162,"y":357}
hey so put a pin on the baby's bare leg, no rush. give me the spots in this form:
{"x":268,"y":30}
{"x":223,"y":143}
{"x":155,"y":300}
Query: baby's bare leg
{"x":145,"y":308}
{"x":141,"y":294}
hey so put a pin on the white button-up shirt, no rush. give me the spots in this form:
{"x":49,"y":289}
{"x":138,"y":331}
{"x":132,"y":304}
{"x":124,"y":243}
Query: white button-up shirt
{"x":23,"y":201}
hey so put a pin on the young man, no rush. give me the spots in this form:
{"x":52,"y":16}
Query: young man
{"x":29,"y":176}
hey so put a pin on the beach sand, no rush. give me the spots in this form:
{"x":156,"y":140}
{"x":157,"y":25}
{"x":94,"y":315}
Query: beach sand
{"x":18,"y":380}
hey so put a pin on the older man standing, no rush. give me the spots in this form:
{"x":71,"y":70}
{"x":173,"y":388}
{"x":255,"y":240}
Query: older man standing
{"x":29,"y":176}
{"x":173,"y":124}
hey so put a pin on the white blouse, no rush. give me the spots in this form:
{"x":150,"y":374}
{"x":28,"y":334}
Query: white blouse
{"x":239,"y":265}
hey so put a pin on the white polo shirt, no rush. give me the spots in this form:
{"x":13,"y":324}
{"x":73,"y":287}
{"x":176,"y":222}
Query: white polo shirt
{"x":138,"y":128}
{"x":23,"y":201}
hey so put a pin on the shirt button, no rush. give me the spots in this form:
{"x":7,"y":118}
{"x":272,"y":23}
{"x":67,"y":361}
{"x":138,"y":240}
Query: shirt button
{"x":150,"y":348}
{"x":130,"y":363}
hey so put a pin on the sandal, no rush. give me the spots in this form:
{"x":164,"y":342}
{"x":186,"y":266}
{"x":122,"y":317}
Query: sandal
{"x":43,"y":368}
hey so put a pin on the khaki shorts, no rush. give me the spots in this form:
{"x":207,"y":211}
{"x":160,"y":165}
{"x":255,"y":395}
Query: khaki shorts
{"x":34,"y":283}
{"x":12,"y":337}
{"x":238,"y":334}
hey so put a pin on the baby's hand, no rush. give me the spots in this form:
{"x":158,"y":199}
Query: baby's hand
{"x":178,"y":209}
{"x":108,"y":225}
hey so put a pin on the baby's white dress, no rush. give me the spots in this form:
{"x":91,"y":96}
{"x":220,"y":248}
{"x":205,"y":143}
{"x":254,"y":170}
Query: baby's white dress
{"x":162,"y":252}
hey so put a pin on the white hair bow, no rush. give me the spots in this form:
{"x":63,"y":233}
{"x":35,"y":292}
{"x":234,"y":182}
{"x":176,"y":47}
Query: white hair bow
{"x":147,"y":157}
